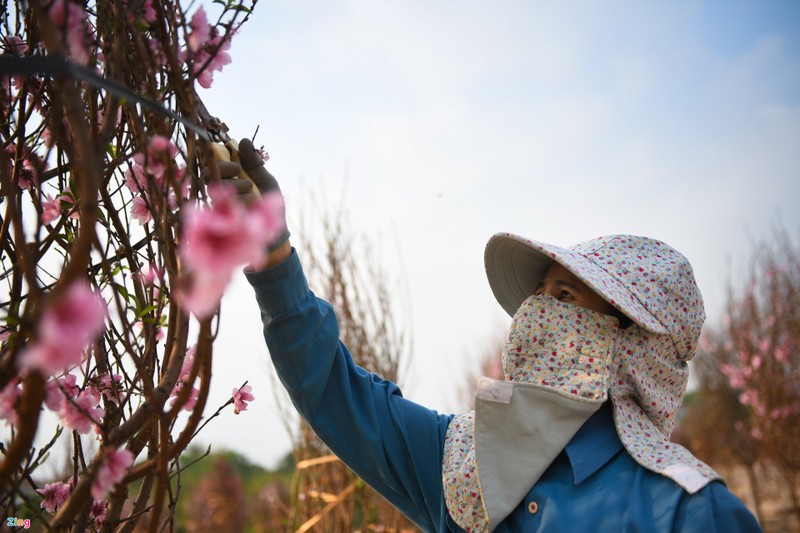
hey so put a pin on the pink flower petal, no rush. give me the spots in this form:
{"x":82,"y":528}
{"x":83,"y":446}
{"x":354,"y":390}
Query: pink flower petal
{"x":201,"y":30}
{"x":139,"y":211}
{"x":204,"y":67}
{"x":51,"y":210}
{"x":8,"y":397}
{"x":66,"y":329}
{"x":190,"y":402}
{"x":267,"y":217}
{"x":70,"y":19}
{"x":135,"y":178}
{"x":55,"y":494}
{"x":111,"y":471}
{"x":98,"y":513}
{"x":240,"y":399}
{"x":81,"y":413}
{"x":203,"y":297}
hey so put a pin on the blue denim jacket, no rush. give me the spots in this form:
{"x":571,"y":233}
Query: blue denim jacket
{"x":396,"y":445}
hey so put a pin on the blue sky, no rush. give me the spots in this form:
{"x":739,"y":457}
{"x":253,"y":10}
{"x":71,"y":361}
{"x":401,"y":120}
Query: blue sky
{"x":445,"y":122}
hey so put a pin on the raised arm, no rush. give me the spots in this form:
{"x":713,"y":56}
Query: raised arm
{"x":393,"y":444}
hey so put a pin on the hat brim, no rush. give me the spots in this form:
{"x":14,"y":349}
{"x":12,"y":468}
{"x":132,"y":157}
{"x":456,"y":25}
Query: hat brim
{"x":515,"y":266}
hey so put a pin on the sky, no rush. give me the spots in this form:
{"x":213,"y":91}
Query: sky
{"x":438,"y":124}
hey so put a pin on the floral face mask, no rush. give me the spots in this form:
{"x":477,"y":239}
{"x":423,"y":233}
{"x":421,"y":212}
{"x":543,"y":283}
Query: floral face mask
{"x":560,"y":346}
{"x":557,"y":365}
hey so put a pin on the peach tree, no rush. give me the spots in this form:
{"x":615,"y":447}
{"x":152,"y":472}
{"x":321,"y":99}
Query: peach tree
{"x":114,"y":252}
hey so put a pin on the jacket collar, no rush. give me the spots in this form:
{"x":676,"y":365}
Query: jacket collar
{"x":595,"y":443}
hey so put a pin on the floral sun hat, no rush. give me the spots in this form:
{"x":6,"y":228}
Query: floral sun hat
{"x":650,"y":282}
{"x":653,"y":285}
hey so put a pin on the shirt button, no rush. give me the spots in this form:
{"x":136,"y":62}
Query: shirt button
{"x":533,"y":507}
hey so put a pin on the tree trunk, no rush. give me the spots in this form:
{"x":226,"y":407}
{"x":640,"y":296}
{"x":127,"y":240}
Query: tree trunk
{"x":755,"y":491}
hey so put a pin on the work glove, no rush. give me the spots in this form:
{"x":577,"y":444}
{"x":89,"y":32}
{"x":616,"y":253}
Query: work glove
{"x":249,"y":161}
{"x":260,"y":180}
{"x":253,"y":165}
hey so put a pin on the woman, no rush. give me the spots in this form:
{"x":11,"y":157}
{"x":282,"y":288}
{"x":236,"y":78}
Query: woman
{"x":574,"y":439}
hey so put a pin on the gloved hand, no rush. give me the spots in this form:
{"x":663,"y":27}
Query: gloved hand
{"x":253,"y":164}
{"x":249,"y":160}
{"x":261,"y":182}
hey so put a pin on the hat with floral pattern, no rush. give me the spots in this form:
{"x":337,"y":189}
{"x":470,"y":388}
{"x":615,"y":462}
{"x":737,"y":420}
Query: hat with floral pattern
{"x":650,"y":282}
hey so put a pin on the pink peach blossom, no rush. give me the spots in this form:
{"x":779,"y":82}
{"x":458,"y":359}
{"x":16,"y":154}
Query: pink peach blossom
{"x":765,"y":346}
{"x":30,"y":165}
{"x":75,"y":318}
{"x":205,"y":65}
{"x":160,"y":154}
{"x":53,"y":396}
{"x":159,"y":330}
{"x":139,"y":211}
{"x":202,"y":41}
{"x":8,"y":397}
{"x":49,"y":138}
{"x":65,"y":330}
{"x":744,"y":355}
{"x":144,"y":9}
{"x":149,"y":14}
{"x":188,"y":362}
{"x":67,"y":198}
{"x":55,"y":494}
{"x":218,"y":239}
{"x":183,"y":379}
{"x":70,"y":20}
{"x":57,"y":390}
{"x":109,"y":386}
{"x":98,"y":513}
{"x":25,"y":180}
{"x":190,"y":402}
{"x":51,"y":209}
{"x":268,"y":217}
{"x":201,"y":30}
{"x":159,"y":157}
{"x":101,"y":117}
{"x":205,"y":293}
{"x":69,"y":384}
{"x":150,"y":273}
{"x":81,"y":413}
{"x":782,"y":354}
{"x":112,"y":471}
{"x":735,"y":377}
{"x":240,"y":399}
{"x":135,"y":178}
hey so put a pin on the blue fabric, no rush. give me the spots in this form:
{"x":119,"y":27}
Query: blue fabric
{"x":396,"y":445}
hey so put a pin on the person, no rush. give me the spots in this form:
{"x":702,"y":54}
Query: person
{"x":575,"y":438}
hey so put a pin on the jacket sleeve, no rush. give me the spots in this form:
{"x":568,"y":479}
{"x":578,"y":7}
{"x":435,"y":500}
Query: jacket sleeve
{"x":715,"y":510}
{"x":391,"y":443}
